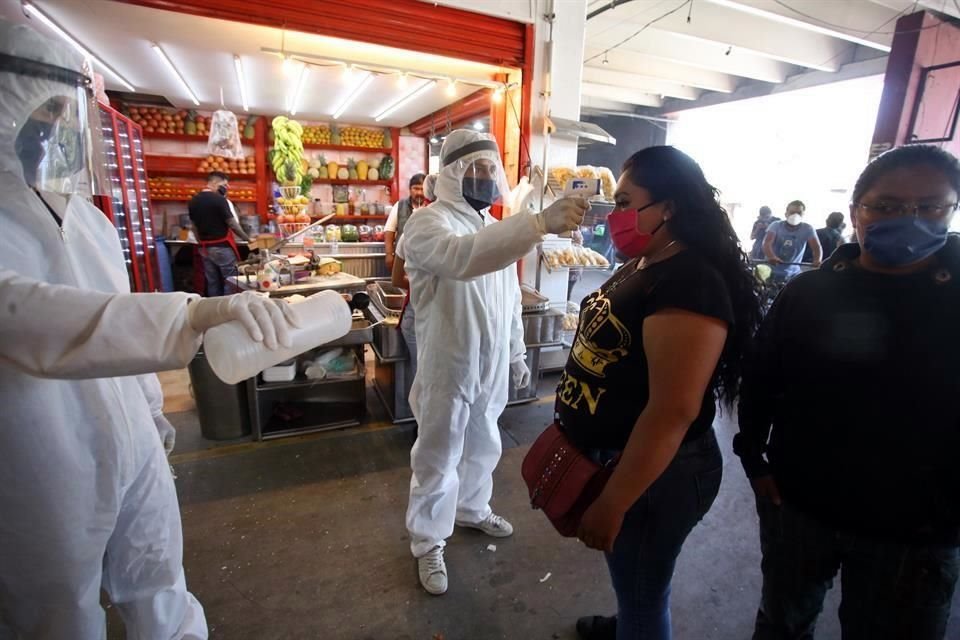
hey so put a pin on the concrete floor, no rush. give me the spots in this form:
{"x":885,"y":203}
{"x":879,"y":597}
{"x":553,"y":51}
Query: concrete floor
{"x":304,"y":538}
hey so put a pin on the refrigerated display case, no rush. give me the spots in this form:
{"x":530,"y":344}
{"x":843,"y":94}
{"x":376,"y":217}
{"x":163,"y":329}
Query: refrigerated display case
{"x":127,"y":204}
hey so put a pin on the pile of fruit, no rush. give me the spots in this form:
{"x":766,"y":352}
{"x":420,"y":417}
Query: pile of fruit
{"x":167,"y":189}
{"x":287,"y":155}
{"x":316,"y":134}
{"x":181,"y":122}
{"x":358,"y":137}
{"x":246,"y":166}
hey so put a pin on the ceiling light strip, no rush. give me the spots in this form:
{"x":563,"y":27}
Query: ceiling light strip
{"x":357,"y":90}
{"x":45,"y":19}
{"x":183,"y":83}
{"x":241,"y":80}
{"x":298,"y":91}
{"x":404,"y":100}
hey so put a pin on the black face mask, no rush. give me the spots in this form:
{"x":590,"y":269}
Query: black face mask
{"x":29,"y":147}
{"x":480,"y":193}
{"x":222,"y":190}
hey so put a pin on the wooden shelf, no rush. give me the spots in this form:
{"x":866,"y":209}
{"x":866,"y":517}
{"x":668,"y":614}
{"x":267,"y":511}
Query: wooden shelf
{"x":340,"y":147}
{"x":251,"y":200}
{"x":186,"y":167}
{"x":175,"y":173}
{"x":184,"y":137}
{"x":360,"y":217}
{"x":354,"y":183}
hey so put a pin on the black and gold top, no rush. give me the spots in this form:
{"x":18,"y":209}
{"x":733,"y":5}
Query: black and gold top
{"x":604,"y":386}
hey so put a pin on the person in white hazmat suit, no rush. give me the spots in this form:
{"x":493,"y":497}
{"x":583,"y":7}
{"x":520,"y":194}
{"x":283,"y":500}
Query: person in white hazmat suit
{"x":86,"y":494}
{"x":466,"y":296}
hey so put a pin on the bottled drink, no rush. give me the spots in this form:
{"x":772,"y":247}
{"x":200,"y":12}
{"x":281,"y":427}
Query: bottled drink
{"x":234,"y":356}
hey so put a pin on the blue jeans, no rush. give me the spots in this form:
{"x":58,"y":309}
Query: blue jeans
{"x":408,"y":329}
{"x":219,"y":263}
{"x":889,"y":590}
{"x":654,"y":530}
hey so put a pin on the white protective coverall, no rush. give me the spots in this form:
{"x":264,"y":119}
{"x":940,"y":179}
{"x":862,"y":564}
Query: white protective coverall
{"x":86,"y":494}
{"x":466,"y":295}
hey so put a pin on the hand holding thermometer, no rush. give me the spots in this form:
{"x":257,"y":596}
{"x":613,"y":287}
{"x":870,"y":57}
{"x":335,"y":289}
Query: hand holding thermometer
{"x":586,"y":188}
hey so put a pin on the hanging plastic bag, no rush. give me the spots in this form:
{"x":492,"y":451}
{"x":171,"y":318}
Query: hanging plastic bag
{"x":224,"y":137}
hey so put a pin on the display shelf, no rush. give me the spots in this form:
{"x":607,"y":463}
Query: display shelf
{"x":359,"y":217}
{"x":338,"y":147}
{"x":302,"y":381}
{"x":185,"y":137}
{"x":354,"y":183}
{"x":187,"y":167}
{"x":234,"y":200}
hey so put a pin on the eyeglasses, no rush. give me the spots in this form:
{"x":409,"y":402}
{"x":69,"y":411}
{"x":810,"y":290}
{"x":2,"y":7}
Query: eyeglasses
{"x":925,"y":210}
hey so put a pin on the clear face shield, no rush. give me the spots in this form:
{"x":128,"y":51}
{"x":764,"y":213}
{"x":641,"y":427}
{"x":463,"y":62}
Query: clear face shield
{"x":57,"y":140}
{"x":480,"y":172}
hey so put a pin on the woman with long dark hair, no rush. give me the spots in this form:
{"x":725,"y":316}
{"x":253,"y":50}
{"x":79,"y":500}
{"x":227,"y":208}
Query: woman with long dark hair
{"x":657,"y":346}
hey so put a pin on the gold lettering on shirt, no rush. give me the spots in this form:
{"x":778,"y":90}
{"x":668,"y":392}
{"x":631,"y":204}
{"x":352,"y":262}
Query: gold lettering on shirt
{"x":602,"y":339}
{"x":572,"y":392}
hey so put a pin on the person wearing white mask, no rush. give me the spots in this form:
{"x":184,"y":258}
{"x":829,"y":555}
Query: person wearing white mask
{"x":87,"y":497}
{"x":466,"y":295}
{"x":787,"y":240}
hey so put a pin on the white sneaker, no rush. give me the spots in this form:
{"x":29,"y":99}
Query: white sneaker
{"x":433,"y":571}
{"x":492,"y":525}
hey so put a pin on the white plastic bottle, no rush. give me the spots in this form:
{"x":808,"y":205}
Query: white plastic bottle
{"x":234,"y":356}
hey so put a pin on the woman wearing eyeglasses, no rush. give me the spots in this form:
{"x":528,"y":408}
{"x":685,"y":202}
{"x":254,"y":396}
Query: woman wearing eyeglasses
{"x":850,"y":417}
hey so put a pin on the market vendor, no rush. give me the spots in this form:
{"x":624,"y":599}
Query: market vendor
{"x":399,"y":215}
{"x":216,"y":228}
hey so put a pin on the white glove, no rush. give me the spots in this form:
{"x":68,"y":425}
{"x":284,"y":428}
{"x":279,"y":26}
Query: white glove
{"x":167,"y":432}
{"x":566,"y":214}
{"x":520,"y":373}
{"x":266,"y":320}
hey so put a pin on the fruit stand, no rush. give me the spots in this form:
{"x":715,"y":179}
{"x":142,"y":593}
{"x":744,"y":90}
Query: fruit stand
{"x":343,"y":170}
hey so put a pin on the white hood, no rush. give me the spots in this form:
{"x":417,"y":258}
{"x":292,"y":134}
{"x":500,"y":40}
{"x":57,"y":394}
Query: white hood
{"x":21,"y":95}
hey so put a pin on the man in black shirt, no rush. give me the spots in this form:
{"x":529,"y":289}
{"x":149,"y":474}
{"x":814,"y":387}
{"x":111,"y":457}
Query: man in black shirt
{"x":830,"y":237}
{"x":872,"y":484}
{"x":215,"y":227}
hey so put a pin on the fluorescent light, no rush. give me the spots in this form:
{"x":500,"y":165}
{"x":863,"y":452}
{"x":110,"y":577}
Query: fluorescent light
{"x":356,"y":91}
{"x":302,"y":80}
{"x":348,"y":71}
{"x":478,"y":125}
{"x":173,"y":70}
{"x":800,"y":24}
{"x":404,"y":100}
{"x":32,"y":10}
{"x":238,"y":65}
{"x":451,"y":88}
{"x":402,"y":80}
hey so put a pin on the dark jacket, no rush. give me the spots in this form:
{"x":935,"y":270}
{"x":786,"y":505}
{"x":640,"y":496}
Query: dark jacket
{"x":855,"y":381}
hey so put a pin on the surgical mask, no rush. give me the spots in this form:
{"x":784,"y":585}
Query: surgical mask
{"x":480,"y":192}
{"x":222,"y":190}
{"x":624,"y":234}
{"x":794,"y":219}
{"x":30,"y":147}
{"x":904,"y":240}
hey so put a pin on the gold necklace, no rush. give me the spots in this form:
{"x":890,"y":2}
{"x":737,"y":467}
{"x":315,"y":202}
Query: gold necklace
{"x":646,"y":262}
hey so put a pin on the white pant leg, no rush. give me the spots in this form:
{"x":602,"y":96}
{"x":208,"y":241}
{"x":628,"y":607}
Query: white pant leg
{"x":58,"y":506}
{"x":481,"y":453}
{"x":143,"y":571}
{"x":442,"y":419}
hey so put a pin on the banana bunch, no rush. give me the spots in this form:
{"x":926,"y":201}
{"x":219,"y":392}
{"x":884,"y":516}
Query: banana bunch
{"x":287,"y":158}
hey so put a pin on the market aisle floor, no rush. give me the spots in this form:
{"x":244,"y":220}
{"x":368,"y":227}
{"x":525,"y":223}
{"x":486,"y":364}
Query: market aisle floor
{"x":304,"y":538}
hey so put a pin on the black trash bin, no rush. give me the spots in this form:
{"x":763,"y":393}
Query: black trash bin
{"x":223,"y":409}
